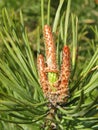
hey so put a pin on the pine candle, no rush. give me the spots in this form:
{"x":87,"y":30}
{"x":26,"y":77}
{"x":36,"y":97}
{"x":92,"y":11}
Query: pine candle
{"x":54,"y":86}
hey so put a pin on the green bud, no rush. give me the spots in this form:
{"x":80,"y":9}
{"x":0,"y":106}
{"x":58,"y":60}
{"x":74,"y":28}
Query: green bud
{"x":52,"y":78}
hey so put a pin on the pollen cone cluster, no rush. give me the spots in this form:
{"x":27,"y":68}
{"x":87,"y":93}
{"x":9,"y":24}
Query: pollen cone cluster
{"x":54,"y":82}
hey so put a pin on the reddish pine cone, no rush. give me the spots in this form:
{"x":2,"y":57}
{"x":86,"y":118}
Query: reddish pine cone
{"x":50,"y":50}
{"x":42,"y":73}
{"x":65,"y":73}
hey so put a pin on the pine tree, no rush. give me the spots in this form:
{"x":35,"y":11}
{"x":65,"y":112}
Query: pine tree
{"x":33,"y":94}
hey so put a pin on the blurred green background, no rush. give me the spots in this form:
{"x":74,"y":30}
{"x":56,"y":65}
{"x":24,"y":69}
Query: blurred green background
{"x":86,"y":10}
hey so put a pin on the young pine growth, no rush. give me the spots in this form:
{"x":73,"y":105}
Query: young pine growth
{"x":50,"y":50}
{"x":43,"y":76}
{"x":54,"y":82}
{"x":64,"y":73}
